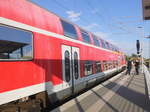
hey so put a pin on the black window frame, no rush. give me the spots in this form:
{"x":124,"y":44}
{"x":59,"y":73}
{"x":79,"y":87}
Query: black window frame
{"x":98,"y":67}
{"x":32,"y":42}
{"x":88,"y":64}
{"x":74,"y":34}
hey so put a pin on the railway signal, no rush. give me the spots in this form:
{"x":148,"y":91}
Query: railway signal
{"x":138,"y":46}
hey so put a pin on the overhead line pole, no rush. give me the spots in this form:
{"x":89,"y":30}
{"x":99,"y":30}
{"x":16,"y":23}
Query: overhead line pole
{"x":149,"y":50}
{"x":141,"y":36}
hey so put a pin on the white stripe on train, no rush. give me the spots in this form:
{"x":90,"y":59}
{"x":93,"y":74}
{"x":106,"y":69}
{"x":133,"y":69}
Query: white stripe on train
{"x":45,"y":32}
{"x":16,"y":94}
{"x":30,"y":90}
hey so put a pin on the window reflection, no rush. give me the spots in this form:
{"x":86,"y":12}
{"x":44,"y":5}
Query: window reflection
{"x":88,"y":69}
{"x":76,"y":70}
{"x":69,"y":30}
{"x":85,"y":36}
{"x":15,"y":43}
{"x":67,"y":66}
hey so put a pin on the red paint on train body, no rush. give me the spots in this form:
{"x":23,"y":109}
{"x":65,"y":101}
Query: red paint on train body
{"x":46,"y":64}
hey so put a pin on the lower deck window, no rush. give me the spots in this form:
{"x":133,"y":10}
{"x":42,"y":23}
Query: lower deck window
{"x":98,"y":67}
{"x":105,"y":65}
{"x":88,"y":69}
{"x":15,"y":44}
{"x":110,"y":65}
{"x":114,"y":65}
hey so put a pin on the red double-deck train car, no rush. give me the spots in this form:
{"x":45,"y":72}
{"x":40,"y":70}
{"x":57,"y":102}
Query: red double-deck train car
{"x":40,"y":53}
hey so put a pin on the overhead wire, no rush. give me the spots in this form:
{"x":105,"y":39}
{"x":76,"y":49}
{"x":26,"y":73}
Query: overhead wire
{"x":117,"y":25}
{"x":68,"y":9}
{"x":99,"y":15}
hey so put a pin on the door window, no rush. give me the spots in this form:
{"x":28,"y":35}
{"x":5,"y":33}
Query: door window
{"x":67,"y":66}
{"x":76,"y":70}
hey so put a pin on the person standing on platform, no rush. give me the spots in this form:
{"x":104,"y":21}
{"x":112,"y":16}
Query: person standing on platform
{"x":129,"y":67}
{"x":137,"y":64}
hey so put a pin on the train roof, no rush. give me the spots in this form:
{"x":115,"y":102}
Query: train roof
{"x":35,"y":15}
{"x":73,"y":23}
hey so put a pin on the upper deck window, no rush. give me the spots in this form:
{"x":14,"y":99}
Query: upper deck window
{"x":103,"y":44}
{"x":117,"y":50}
{"x":108,"y":46}
{"x":113,"y":48}
{"x":85,"y":36}
{"x":15,"y":44}
{"x":69,"y":30}
{"x":96,"y":42}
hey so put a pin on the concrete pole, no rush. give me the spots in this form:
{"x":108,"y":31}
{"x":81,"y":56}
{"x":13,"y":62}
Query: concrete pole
{"x":141,"y":36}
{"x":149,"y":54}
{"x":149,"y":50}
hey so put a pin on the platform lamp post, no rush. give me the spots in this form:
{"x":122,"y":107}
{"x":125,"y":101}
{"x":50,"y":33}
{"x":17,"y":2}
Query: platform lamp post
{"x":141,"y":36}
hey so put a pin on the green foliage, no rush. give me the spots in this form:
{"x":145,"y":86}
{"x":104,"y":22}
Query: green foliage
{"x":127,"y":58}
{"x":134,"y":55}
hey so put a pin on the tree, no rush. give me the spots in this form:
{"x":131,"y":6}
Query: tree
{"x":127,"y":57}
{"x":134,"y":55}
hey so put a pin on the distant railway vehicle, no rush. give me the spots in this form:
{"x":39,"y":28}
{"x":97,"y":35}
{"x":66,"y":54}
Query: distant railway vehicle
{"x":43,"y":56}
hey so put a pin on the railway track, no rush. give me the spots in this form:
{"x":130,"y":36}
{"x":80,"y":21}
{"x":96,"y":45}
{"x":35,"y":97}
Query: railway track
{"x":29,"y":106}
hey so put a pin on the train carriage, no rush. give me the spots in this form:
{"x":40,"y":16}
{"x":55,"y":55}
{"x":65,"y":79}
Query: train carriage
{"x":42,"y":53}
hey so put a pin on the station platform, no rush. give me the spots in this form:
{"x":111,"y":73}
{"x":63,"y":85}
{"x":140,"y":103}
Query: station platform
{"x":122,"y":93}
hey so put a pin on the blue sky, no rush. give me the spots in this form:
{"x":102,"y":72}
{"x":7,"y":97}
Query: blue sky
{"x":114,"y":20}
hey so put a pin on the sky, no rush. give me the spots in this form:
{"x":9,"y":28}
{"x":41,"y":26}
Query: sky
{"x":118,"y":21}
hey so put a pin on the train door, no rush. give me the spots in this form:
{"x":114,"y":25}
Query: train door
{"x":75,"y":67}
{"x":70,"y":66}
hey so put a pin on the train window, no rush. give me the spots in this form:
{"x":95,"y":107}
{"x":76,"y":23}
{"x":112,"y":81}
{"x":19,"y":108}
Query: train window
{"x":69,"y":30}
{"x":96,"y":42}
{"x":67,"y":66}
{"x":117,"y":63}
{"x":113,"y":48}
{"x":15,"y":44}
{"x":108,"y":46}
{"x":76,"y":66}
{"x":117,"y":50}
{"x":103,"y":44}
{"x":105,"y":65}
{"x":85,"y":36}
{"x":113,"y":64}
{"x":88,"y":69}
{"x":98,"y":67}
{"x":110,"y":65}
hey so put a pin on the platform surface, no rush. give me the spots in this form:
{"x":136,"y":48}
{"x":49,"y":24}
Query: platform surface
{"x":122,"y":93}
